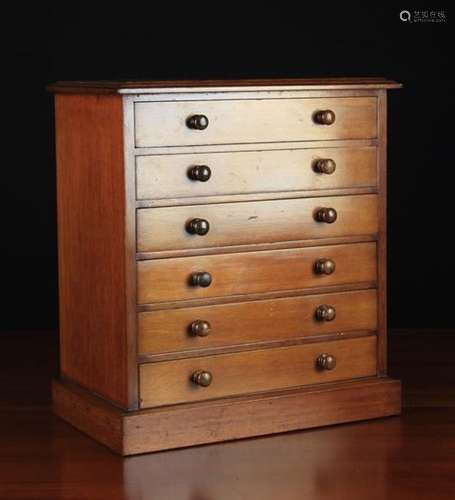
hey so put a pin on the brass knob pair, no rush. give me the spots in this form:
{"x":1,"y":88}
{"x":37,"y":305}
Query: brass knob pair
{"x":202,"y":226}
{"x":321,"y":266}
{"x":204,"y":378}
{"x":201,"y":122}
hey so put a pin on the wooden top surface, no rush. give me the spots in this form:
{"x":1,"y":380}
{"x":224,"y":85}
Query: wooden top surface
{"x":153,"y":86}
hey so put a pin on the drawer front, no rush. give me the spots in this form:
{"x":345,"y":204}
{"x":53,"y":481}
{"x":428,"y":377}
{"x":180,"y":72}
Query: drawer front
{"x":258,"y":321}
{"x":160,"y":229}
{"x":253,"y":121}
{"x":170,"y":176}
{"x":164,"y":280}
{"x":170,"y":382}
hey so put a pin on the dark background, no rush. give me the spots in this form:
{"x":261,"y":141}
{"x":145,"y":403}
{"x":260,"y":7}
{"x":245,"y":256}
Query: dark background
{"x":224,"y":41}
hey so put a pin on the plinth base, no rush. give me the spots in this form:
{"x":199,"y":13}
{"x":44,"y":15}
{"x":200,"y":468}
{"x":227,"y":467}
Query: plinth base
{"x":133,"y":432}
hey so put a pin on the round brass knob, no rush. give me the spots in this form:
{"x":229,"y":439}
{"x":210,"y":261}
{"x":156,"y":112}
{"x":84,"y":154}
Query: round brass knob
{"x":198,"y":226}
{"x":201,"y":279}
{"x":325,"y":312}
{"x":200,"y":173}
{"x":324,"y":117}
{"x":202,"y":378}
{"x":326,"y":361}
{"x":327,"y":215}
{"x":324,"y":266}
{"x":324,"y":166}
{"x":200,"y":328}
{"x":197,"y":122}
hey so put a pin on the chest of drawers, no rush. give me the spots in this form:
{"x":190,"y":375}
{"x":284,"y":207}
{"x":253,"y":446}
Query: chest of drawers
{"x":222,"y":258}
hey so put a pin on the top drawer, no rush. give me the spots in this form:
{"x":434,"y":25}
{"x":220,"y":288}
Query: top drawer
{"x":254,"y":121}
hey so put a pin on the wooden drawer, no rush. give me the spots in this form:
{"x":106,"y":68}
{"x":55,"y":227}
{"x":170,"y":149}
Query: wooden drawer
{"x":169,"y":382}
{"x":164,"y":280}
{"x":247,"y":172}
{"x":160,"y":229}
{"x":257,"y":321}
{"x":253,"y":121}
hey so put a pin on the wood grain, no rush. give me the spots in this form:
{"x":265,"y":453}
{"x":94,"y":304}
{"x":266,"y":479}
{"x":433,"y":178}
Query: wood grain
{"x":245,"y":121}
{"x":235,"y":418}
{"x":164,"y":280}
{"x":270,"y":146}
{"x":255,"y":247}
{"x":168,"y":382}
{"x":256,"y":321}
{"x":98,"y":418}
{"x":162,"y":229}
{"x":91,"y":235}
{"x":166,"y":176}
{"x":107,"y":86}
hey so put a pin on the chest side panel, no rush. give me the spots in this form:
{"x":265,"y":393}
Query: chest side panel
{"x":91,"y":235}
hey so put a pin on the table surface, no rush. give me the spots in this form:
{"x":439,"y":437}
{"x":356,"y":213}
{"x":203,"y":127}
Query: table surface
{"x":407,"y":457}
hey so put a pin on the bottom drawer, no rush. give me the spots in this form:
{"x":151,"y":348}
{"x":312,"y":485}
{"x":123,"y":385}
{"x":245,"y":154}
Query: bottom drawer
{"x":171,"y":382}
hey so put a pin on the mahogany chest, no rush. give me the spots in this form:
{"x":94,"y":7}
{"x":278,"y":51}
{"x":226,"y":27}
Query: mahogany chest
{"x":222,"y":258}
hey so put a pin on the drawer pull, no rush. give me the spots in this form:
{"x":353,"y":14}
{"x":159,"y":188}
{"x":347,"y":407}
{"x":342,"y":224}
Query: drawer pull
{"x":324,"y":166}
{"x":202,"y":378}
{"x":198,"y":226}
{"x":325,"y":117}
{"x":325,"y":313}
{"x":326,"y":362}
{"x":200,"y":173}
{"x":327,"y":215}
{"x":324,"y":266}
{"x":201,"y":279}
{"x":197,"y":122}
{"x":200,"y":328}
